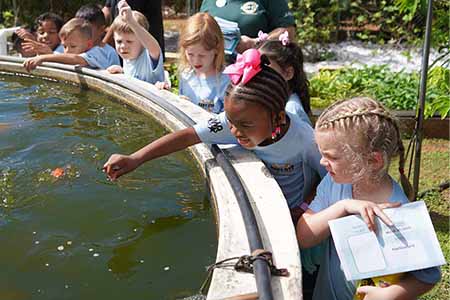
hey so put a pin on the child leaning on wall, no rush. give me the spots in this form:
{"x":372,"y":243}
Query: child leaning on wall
{"x":107,"y":55}
{"x":201,"y":63}
{"x":357,"y":139}
{"x":140,"y":51}
{"x":76,"y":38}
{"x":45,"y":39}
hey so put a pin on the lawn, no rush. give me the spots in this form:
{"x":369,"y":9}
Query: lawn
{"x":435,"y":169}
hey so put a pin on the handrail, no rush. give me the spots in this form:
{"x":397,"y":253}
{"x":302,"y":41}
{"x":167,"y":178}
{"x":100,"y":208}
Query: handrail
{"x":260,"y":267}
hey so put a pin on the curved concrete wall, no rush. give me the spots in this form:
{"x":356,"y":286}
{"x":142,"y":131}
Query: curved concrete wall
{"x":266,"y":198}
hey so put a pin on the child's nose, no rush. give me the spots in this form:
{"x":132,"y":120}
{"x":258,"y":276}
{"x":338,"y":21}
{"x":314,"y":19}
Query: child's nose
{"x":323,"y":162}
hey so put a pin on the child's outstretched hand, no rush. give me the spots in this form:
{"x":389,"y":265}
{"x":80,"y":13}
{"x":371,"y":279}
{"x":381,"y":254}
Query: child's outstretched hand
{"x":162,"y":85}
{"x":368,"y":210}
{"x":25,"y":34}
{"x":368,"y":292}
{"x":115,"y":69}
{"x":125,"y":11}
{"x":32,"y":46}
{"x":118,"y":165}
{"x":31,"y":63}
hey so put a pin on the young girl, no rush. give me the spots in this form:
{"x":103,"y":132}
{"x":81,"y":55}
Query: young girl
{"x":254,"y":117}
{"x":201,"y":63}
{"x":357,"y":139}
{"x":287,"y":59}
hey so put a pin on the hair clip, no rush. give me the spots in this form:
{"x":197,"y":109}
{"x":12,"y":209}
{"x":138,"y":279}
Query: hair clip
{"x":247,"y":65}
{"x":284,"y":38}
{"x":262,"y":36}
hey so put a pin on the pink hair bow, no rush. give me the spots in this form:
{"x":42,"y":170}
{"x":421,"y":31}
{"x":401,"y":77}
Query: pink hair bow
{"x":246,"y":66}
{"x":284,"y":38}
{"x":262,"y":36}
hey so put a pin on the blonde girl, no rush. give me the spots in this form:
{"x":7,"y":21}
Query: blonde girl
{"x":357,"y":139}
{"x":201,"y":63}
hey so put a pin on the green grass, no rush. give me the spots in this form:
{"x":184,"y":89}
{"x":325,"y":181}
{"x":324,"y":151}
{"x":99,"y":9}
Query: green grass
{"x":435,"y":169}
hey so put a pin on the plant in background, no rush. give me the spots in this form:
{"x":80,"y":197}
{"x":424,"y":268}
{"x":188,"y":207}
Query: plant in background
{"x":397,"y":90}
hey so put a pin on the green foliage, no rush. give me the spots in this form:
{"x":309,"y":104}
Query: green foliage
{"x":397,"y":90}
{"x":8,"y":18}
{"x":379,"y":21}
{"x":173,"y":76}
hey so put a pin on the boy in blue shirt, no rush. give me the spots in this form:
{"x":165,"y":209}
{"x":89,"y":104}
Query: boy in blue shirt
{"x":76,"y":38}
{"x":142,"y":58}
{"x":94,"y":15}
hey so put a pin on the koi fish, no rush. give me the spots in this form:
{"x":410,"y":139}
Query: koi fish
{"x":58,"y":172}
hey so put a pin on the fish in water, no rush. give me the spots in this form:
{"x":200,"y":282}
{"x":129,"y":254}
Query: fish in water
{"x":58,"y":172}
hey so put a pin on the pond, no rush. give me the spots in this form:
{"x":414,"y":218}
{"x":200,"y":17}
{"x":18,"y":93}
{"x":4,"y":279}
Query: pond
{"x":69,"y":233}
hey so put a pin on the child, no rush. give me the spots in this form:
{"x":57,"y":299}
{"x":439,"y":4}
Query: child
{"x":47,"y":41}
{"x":142,"y":58}
{"x":76,"y":38}
{"x":94,"y":15}
{"x":201,"y":63}
{"x":357,"y":139}
{"x":254,"y":117}
{"x":286,"y":58}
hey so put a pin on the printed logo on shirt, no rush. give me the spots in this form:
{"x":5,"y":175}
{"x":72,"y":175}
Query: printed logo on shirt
{"x":214,"y":125}
{"x":281,"y":169}
{"x":249,"y":8}
{"x":206,"y":104}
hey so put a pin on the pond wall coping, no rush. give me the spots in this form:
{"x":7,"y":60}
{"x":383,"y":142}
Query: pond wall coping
{"x":267,"y":200}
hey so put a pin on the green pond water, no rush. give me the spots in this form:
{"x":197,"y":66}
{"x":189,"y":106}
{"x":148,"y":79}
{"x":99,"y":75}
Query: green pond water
{"x":148,"y":236}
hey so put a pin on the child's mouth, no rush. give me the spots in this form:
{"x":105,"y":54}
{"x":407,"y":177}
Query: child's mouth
{"x":198,"y":67}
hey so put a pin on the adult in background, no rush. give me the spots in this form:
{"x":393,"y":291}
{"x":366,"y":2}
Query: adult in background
{"x":151,"y":9}
{"x":269,"y":16}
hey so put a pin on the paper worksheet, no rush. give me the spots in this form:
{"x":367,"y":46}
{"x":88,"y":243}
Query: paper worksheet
{"x":410,"y":244}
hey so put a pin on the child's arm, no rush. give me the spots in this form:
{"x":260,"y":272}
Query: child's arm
{"x":118,"y":165}
{"x":408,"y":288}
{"x":70,"y":59}
{"x":312,"y":228}
{"x":146,"y":39}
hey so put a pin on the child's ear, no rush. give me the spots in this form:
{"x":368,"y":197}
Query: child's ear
{"x":90,"y":43}
{"x":377,"y":160}
{"x":289,"y":73}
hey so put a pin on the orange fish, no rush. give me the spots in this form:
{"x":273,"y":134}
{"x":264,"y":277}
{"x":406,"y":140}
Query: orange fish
{"x":58,"y":172}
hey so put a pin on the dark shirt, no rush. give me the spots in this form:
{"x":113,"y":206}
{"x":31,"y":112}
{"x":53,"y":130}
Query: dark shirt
{"x":151,"y":9}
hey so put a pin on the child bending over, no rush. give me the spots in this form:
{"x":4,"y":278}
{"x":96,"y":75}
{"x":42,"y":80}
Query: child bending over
{"x":357,"y":139}
{"x":142,"y":57}
{"x":76,"y":38}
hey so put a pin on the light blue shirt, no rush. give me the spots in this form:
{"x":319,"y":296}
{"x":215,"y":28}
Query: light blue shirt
{"x":294,"y":105}
{"x":59,"y":49}
{"x":286,"y":159}
{"x":331,"y":283}
{"x":144,"y":67}
{"x":206,"y":92}
{"x":101,"y":57}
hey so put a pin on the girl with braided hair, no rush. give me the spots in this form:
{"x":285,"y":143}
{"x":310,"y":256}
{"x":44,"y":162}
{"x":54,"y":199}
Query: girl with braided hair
{"x":254,"y":118}
{"x":357,"y":139}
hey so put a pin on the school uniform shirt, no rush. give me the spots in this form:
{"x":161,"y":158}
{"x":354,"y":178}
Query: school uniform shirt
{"x":144,"y":67}
{"x":206,"y":92}
{"x":252,"y":16}
{"x":331,"y":283}
{"x":295,"y":106}
{"x":101,"y":57}
{"x":59,"y":49}
{"x":285,"y":158}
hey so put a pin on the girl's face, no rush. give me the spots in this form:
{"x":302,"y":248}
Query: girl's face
{"x":47,"y":33}
{"x":250,"y":123}
{"x":200,"y":59}
{"x":333,"y":157}
{"x":127,"y":45}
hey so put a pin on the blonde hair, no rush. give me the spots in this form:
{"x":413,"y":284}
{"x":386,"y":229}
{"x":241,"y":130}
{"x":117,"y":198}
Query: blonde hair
{"x":373,"y":128}
{"x":120,"y":25}
{"x":202,"y":28}
{"x":76,"y":25}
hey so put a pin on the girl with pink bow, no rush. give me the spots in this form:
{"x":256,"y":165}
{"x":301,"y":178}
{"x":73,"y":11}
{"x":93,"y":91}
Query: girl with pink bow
{"x":255,"y":119}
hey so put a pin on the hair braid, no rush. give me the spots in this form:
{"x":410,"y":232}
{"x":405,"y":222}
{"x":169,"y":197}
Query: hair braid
{"x":373,"y":126}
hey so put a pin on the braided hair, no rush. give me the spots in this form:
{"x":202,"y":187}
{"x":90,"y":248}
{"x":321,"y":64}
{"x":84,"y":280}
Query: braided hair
{"x":267,"y":88}
{"x":367,"y":121}
{"x":286,"y":56}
